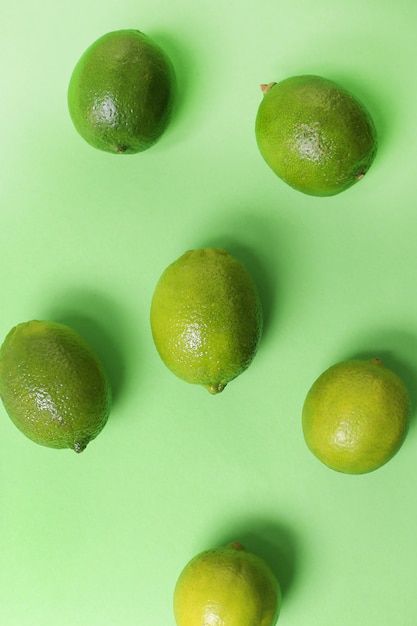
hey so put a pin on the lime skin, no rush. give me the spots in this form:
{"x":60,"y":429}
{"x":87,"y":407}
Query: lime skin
{"x":206,"y":318}
{"x":121,"y":92}
{"x":230,"y":586}
{"x":315,"y":135}
{"x":53,"y":385}
{"x":356,"y":416}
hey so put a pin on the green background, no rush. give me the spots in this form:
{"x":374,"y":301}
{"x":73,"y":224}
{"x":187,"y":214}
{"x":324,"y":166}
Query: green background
{"x":100,"y":538}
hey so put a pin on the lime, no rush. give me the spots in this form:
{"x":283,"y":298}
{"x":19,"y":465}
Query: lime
{"x":355,"y":416}
{"x":227,"y":586}
{"x":206,"y":318}
{"x":121,"y":92}
{"x":314,"y":134}
{"x":53,"y":385}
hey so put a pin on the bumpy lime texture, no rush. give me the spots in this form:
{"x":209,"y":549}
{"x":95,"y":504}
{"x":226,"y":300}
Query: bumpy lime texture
{"x":227,"y":586}
{"x":53,"y":386}
{"x":356,"y":415}
{"x":206,"y":318}
{"x":121,"y":92}
{"x":315,"y":135}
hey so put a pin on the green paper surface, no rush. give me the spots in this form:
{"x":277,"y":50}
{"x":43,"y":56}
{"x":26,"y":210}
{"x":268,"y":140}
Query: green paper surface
{"x":101,"y":537}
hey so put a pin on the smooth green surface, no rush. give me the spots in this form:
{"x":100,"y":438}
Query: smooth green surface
{"x":101,"y":537}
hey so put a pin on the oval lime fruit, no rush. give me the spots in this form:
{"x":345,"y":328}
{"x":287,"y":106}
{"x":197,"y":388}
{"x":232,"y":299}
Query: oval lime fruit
{"x":227,"y":586}
{"x":206,"y":318}
{"x":53,"y":385}
{"x":315,"y":135}
{"x":121,"y":92}
{"x":356,"y":415}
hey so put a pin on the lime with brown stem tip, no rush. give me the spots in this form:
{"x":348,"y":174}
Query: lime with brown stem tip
{"x":206,"y":318}
{"x":315,"y":135}
{"x":356,"y":415}
{"x":53,"y":385}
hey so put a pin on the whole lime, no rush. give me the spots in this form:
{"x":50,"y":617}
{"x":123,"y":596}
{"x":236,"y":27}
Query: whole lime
{"x":227,"y":586}
{"x":206,"y":318}
{"x":121,"y":92}
{"x":314,"y":134}
{"x":53,"y":385}
{"x":356,"y":415}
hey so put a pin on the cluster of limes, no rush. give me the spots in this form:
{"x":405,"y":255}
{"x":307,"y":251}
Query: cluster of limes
{"x":206,"y":315}
{"x":314,"y":134}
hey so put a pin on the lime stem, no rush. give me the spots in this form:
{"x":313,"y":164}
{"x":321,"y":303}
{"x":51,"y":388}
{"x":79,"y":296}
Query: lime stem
{"x":267,"y":87}
{"x":377,"y":361}
{"x":214,"y":388}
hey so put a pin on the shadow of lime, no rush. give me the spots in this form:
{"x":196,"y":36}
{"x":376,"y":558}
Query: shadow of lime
{"x":398,"y":351}
{"x":274,"y":542}
{"x":261,"y":270}
{"x":187,"y":79}
{"x":102,"y":324}
{"x":266,"y":235}
{"x":380,"y":106}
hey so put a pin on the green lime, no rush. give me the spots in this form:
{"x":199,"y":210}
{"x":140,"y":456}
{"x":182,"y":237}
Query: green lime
{"x":227,"y":586}
{"x":315,"y":135}
{"x":121,"y":92}
{"x":53,"y":385}
{"x":206,"y":318}
{"x":356,"y":416}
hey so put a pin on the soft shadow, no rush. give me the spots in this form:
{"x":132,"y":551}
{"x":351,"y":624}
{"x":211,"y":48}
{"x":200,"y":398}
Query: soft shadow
{"x":379,"y":105}
{"x":397,"y":351}
{"x":264,"y":281}
{"x":255,"y":244}
{"x":273,"y":541}
{"x":101,"y":323}
{"x":185,"y":69}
